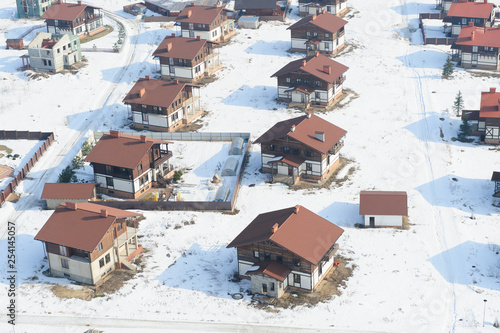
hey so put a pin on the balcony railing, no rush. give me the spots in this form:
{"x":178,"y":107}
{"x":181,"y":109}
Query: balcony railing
{"x":163,"y":157}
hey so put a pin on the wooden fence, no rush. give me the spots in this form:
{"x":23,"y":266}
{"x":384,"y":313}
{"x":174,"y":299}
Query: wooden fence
{"x":159,"y":18}
{"x":435,"y":40}
{"x":24,"y":135}
{"x":431,"y":16}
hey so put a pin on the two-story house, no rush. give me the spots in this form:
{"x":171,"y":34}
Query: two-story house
{"x":461,"y":13}
{"x":163,"y":106}
{"x":187,"y":59}
{"x":84,"y":242}
{"x":477,"y":47}
{"x":335,"y":7}
{"x":305,"y":147}
{"x":126,"y":166}
{"x":33,"y":8}
{"x":314,"y":80}
{"x":287,"y":248}
{"x":446,"y":4}
{"x":73,"y":18}
{"x":208,"y":22}
{"x":169,"y":8}
{"x":321,"y":32}
{"x":54,"y":53}
{"x":486,"y":120}
{"x":265,"y":9}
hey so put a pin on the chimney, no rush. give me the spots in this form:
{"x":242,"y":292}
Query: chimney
{"x":320,"y":136}
{"x":173,"y":34}
{"x":296,"y":209}
{"x":493,"y":90}
{"x":324,"y":11}
{"x":104,"y":213}
{"x":309,"y":114}
{"x":142,"y":92}
{"x":192,"y":3}
{"x":190,"y":12}
{"x":471,"y":24}
{"x":198,"y":37}
{"x":79,"y":3}
{"x":274,"y":228}
{"x":314,"y":17}
{"x":485,"y":1}
{"x":327,"y":69}
{"x":114,"y":134}
{"x":472,"y":35}
{"x":292,"y":129}
{"x":175,"y":81}
{"x":71,"y":205}
{"x":169,"y":47}
{"x":316,"y":54}
{"x":143,"y":138}
{"x":304,"y":62}
{"x":148,"y":77}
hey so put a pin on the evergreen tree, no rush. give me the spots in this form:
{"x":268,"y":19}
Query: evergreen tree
{"x":465,"y":130}
{"x":458,"y":105}
{"x":67,"y":175}
{"x":447,"y":68}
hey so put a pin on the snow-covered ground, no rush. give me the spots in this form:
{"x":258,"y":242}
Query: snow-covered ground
{"x":434,"y":28}
{"x":432,"y":278}
{"x":24,"y":148}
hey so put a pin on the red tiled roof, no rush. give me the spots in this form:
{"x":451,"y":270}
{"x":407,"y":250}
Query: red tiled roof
{"x":325,"y":21}
{"x":383,"y":203}
{"x":315,"y":66}
{"x":304,"y":233}
{"x":65,"y":11}
{"x":124,"y":151}
{"x":482,"y":36}
{"x":273,"y":269}
{"x":68,"y":191}
{"x":182,"y":47}
{"x":81,"y":229}
{"x":199,"y":14}
{"x":156,"y":92}
{"x":305,"y":130}
{"x":470,"y":9}
{"x":288,"y":159}
{"x":490,"y":104}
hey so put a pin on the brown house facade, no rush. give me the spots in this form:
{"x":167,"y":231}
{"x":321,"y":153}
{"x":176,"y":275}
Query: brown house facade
{"x":335,"y":7}
{"x":85,"y":241}
{"x":306,"y":147}
{"x":187,"y":59}
{"x":314,"y":80}
{"x":127,"y":166}
{"x":291,"y":248}
{"x":75,"y":19}
{"x":477,"y":47}
{"x":321,"y":32}
{"x":486,"y":120}
{"x":207,"y":22}
{"x":163,"y":106}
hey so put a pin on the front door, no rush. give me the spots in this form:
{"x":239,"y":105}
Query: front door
{"x":372,"y":221}
{"x":290,"y":170}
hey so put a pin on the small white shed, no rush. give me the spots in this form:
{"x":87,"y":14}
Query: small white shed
{"x":383,"y":208}
{"x":59,"y":193}
{"x":249,"y":22}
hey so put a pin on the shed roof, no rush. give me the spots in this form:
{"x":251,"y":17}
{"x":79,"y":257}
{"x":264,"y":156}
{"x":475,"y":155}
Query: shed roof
{"x":199,"y":14}
{"x":75,"y":191}
{"x":123,"y":151}
{"x":324,"y":20}
{"x":254,"y":4}
{"x":300,"y":231}
{"x":383,"y":203}
{"x":82,"y":228}
{"x":305,"y":129}
{"x":273,"y":269}
{"x":495,"y":176}
{"x":479,"y":36}
{"x":314,"y":65}
{"x":156,"y":92}
{"x":470,"y":9}
{"x":181,"y":47}
{"x":65,"y":11}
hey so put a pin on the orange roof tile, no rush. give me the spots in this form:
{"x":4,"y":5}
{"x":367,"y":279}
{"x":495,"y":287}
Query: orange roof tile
{"x":383,"y":203}
{"x":490,"y":104}
{"x":199,"y":14}
{"x":325,"y":21}
{"x":65,"y":11}
{"x":181,"y":48}
{"x":314,"y":65}
{"x":489,"y":37}
{"x":470,"y":9}
{"x":68,"y":191}
{"x":273,"y":269}
{"x":156,"y":92}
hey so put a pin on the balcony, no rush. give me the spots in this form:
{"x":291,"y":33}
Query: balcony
{"x":163,"y":157}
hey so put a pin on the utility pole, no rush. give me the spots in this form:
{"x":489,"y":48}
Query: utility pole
{"x":484,"y":311}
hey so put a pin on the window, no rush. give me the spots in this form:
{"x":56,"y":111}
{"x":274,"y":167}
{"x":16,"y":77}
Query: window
{"x":327,"y":35}
{"x":255,"y":253}
{"x":170,"y":61}
{"x":287,"y":80}
{"x":101,"y":262}
{"x":308,"y":33}
{"x":264,"y":287}
{"x":108,"y":258}
{"x":318,"y":84}
{"x":64,"y":47}
{"x":50,"y":62}
{"x":309,"y":166}
{"x":327,"y":46}
{"x":267,"y":256}
{"x":474,"y":48}
{"x":272,"y":286}
{"x":308,"y":153}
{"x":139,"y":167}
{"x":272,"y":147}
{"x":63,"y":250}
{"x":119,"y":227}
{"x":286,"y":150}
{"x":109,"y":181}
{"x":296,"y":262}
{"x":296,"y":278}
{"x":191,"y":25}
{"x":64,"y":263}
{"x":44,"y":62}
{"x":315,"y":34}
{"x":99,"y":247}
{"x":299,"y":81}
{"x":58,"y":50}
{"x":296,"y":151}
{"x":279,"y":259}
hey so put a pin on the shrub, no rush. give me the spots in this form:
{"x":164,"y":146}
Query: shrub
{"x":77,"y":162}
{"x":67,"y":175}
{"x":177,"y":175}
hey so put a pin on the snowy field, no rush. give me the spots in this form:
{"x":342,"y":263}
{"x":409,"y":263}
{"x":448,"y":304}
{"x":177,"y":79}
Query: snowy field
{"x":24,"y":148}
{"x":432,"y":278}
{"x":434,"y":28}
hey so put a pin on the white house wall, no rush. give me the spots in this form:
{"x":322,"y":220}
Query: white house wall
{"x":481,"y":60}
{"x":385,"y":220}
{"x":298,"y":43}
{"x":203,"y":34}
{"x":243,"y":266}
{"x":118,"y":183}
{"x":137,"y":187}
{"x":53,"y":203}
{"x":305,"y":280}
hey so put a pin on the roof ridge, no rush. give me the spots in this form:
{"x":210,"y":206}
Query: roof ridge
{"x":288,"y":218}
